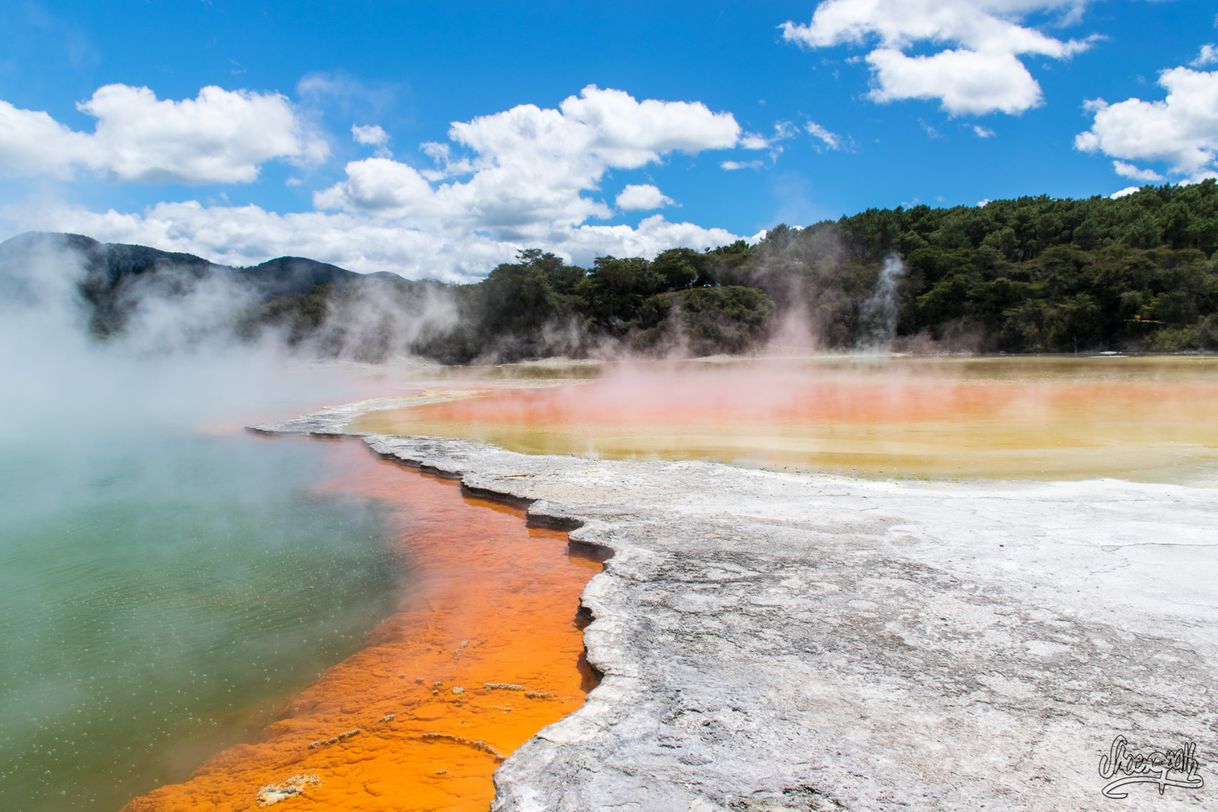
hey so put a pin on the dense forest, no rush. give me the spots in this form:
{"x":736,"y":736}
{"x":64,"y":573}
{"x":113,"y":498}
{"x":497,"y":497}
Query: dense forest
{"x":1026,"y":275}
{"x":1139,"y":273}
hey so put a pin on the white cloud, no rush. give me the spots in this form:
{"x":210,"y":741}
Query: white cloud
{"x":980,"y":25}
{"x":370,"y":135}
{"x":632,"y":133}
{"x":652,"y":235}
{"x":33,"y":143}
{"x":966,"y":82}
{"x":525,"y":177}
{"x":1132,"y":172}
{"x":754,"y":141}
{"x":379,"y":185}
{"x":1180,"y":131}
{"x":447,"y":166}
{"x":783,"y":131}
{"x":983,"y":132}
{"x":980,"y":74}
{"x":220,"y":136}
{"x":247,"y":235}
{"x":642,"y":197}
{"x":1126,"y":192}
{"x":531,"y":170}
{"x":825,"y":137}
{"x":1208,"y":56}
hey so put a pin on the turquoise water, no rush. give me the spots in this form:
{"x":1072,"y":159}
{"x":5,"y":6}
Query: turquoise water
{"x":162,"y":593}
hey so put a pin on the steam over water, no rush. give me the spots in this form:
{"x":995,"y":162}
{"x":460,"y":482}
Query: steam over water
{"x":163,"y":589}
{"x":166,"y":581}
{"x":164,"y":600}
{"x":1041,"y":418}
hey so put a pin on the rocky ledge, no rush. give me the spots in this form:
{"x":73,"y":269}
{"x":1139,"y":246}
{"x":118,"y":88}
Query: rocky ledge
{"x":777,"y":641}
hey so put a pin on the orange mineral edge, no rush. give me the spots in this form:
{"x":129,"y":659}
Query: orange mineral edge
{"x":483,"y":652}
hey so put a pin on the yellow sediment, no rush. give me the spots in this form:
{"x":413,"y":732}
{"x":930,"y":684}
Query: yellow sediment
{"x":483,"y":652}
{"x":1148,"y":419}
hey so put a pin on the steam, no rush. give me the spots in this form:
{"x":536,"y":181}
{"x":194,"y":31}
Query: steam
{"x":173,"y":364}
{"x":878,"y":314}
{"x":378,"y":323}
{"x":186,"y":354}
{"x":200,"y":337}
{"x":115,"y":505}
{"x":794,"y":333}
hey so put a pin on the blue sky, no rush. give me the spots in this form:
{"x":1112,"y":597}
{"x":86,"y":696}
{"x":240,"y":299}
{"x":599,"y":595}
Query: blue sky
{"x":859,"y":108}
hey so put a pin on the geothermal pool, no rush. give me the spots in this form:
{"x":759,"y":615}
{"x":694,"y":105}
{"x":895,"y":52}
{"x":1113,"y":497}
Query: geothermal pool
{"x":1145,"y":419}
{"x":185,"y":614}
{"x":189,"y":618}
{"x":163,"y":593}
{"x":481,"y":652}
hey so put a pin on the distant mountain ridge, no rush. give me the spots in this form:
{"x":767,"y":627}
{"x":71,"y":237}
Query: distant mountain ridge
{"x":112,"y":262}
{"x":334,"y":309}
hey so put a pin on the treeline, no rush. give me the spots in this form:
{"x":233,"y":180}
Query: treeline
{"x":1026,"y":275}
{"x":539,"y":306}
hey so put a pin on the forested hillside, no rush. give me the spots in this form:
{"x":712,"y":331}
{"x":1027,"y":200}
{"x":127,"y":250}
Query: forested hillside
{"x":1027,"y":275}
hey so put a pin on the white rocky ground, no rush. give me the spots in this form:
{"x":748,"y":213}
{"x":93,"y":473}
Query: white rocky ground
{"x":780,"y":641}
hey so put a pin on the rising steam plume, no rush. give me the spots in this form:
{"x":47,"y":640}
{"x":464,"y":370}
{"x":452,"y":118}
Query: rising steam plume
{"x":878,"y":314}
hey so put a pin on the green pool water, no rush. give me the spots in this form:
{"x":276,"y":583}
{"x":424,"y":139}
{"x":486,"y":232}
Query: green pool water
{"x":162,"y":593}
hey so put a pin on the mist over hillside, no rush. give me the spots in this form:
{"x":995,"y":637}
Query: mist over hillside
{"x":1027,"y":275}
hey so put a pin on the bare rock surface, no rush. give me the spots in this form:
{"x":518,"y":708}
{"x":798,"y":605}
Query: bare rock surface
{"x":779,"y":641}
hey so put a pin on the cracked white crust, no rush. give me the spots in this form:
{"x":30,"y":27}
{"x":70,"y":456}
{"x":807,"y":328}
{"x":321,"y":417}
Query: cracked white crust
{"x":782,"y":641}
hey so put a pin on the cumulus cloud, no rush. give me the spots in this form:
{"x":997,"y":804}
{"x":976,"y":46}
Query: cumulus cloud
{"x":370,"y":135}
{"x":524,"y":172}
{"x":983,"y":132}
{"x":220,"y":136}
{"x":652,"y":235}
{"x":380,"y":185}
{"x":521,"y":178}
{"x":981,"y":25}
{"x":247,"y":235}
{"x":967,"y":82}
{"x":642,"y":197}
{"x":1180,"y":131}
{"x":33,"y":143}
{"x":980,"y":73}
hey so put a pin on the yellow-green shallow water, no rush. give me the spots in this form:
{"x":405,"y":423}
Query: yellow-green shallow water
{"x":1139,"y":418}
